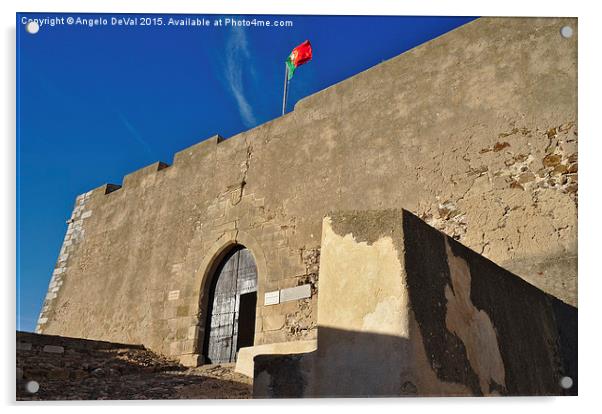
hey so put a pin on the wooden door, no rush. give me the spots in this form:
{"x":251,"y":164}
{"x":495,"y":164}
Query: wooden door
{"x":235,"y":276}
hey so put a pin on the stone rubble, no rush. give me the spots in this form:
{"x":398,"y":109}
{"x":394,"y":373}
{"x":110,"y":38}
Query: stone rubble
{"x":122,"y":374}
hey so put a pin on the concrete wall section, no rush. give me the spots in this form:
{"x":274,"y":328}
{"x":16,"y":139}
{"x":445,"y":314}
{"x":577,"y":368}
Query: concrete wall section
{"x":412,"y":312}
{"x":475,"y":132}
{"x":245,"y":361}
{"x":482,"y":326}
{"x":363,"y":327}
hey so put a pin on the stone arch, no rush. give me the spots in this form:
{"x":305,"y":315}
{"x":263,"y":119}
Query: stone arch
{"x":206,"y":271}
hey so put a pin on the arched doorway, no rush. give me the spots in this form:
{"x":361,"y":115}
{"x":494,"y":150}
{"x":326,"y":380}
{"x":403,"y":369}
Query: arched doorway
{"x":231,"y":308}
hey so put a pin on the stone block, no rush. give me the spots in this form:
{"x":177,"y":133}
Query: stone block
{"x":287,"y":307}
{"x":271,"y":337}
{"x":182,"y":333}
{"x":175,"y":348}
{"x":227,"y":226}
{"x":245,"y":364}
{"x":186,"y":321}
{"x":23,"y":346}
{"x":188,"y":346}
{"x":182,"y":311}
{"x":271,"y":310}
{"x":172,"y":324}
{"x":53,"y":349}
{"x":193,"y":332}
{"x":191,"y":360}
{"x":58,"y":374}
{"x":273,"y":322}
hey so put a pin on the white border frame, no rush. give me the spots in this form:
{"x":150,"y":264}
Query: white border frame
{"x":589,"y":152}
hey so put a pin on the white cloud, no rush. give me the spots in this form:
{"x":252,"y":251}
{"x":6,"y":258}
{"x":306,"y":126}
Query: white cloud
{"x":238,"y":60}
{"x":134,"y":132}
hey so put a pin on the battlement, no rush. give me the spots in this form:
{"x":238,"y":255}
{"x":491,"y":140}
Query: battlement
{"x":313,"y":107}
{"x":395,"y":76}
{"x":138,"y":176}
{"x":197,"y":152}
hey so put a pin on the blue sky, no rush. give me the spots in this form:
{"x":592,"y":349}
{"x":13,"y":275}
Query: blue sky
{"x":94,"y":104}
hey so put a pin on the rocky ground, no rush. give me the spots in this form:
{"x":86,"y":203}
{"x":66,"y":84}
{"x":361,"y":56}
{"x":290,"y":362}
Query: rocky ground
{"x":121,"y":374}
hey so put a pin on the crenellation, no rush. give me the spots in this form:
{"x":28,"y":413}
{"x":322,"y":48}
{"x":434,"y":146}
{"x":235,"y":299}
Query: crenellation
{"x":139,"y":177}
{"x":109,"y":188}
{"x":197,"y":152}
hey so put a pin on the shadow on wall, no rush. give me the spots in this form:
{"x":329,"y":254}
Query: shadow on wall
{"x":360,"y":365}
{"x":375,"y":365}
{"x":471,"y":303}
{"x":473,"y":328}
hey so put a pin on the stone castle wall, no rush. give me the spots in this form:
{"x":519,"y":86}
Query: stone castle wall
{"x":475,"y":132}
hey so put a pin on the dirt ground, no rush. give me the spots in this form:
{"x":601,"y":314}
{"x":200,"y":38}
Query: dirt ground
{"x":123,"y":374}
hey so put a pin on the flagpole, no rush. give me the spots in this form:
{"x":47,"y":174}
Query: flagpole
{"x":284,"y":96}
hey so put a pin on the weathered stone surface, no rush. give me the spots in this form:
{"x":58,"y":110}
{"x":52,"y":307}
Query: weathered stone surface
{"x":551,"y":160}
{"x":457,"y":144}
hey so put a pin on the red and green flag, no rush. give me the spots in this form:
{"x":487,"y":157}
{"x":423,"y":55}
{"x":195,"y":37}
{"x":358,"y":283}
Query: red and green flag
{"x":300,"y":55}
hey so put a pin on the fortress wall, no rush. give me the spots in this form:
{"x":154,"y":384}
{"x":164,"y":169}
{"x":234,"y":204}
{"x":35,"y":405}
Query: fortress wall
{"x":407,"y":311}
{"x":475,"y":132}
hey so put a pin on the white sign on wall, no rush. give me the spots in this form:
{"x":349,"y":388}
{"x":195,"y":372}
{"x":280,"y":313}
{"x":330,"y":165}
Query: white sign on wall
{"x":295,"y":293}
{"x":271,"y":298}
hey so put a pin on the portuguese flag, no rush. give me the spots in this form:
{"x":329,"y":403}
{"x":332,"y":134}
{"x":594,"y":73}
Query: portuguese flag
{"x":300,"y":55}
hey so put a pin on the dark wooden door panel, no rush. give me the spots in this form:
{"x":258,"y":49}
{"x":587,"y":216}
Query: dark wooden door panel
{"x":236,"y":276}
{"x":247,"y":273}
{"x":223,"y":311}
